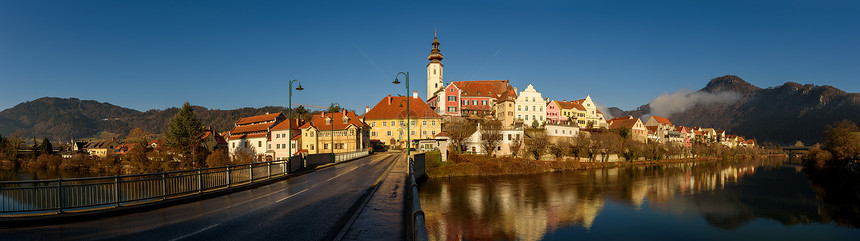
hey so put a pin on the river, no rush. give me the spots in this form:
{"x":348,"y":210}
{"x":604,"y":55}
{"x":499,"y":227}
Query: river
{"x":766,"y":199}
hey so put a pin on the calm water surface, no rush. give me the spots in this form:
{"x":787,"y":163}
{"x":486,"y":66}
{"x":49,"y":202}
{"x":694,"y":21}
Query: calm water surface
{"x":735,"y":200}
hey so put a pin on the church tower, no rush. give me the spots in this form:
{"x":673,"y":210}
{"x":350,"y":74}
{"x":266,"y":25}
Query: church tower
{"x":434,"y":69}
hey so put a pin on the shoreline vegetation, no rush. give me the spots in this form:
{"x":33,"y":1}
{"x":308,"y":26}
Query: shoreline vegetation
{"x":464,"y":165}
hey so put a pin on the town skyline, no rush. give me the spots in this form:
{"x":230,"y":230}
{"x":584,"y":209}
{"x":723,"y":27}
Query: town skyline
{"x":149,"y":55}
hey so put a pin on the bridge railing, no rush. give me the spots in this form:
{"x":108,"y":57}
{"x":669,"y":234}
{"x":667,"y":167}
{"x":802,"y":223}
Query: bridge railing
{"x":417,"y":228}
{"x":82,"y":194}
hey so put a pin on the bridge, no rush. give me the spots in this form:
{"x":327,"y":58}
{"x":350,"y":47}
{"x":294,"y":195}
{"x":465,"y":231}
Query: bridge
{"x":791,"y":150}
{"x":263,"y":202}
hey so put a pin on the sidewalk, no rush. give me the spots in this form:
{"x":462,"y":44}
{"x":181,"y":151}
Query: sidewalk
{"x":384,"y":216}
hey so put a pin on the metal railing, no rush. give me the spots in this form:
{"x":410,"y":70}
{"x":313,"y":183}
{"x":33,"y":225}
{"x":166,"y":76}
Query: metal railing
{"x":79,"y":194}
{"x":417,"y":227}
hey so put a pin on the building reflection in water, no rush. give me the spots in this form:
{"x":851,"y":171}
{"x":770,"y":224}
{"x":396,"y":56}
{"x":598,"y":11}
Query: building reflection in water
{"x":528,"y":207}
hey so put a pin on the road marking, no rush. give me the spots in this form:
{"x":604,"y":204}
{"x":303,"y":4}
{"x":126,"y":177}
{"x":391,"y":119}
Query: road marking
{"x":194,"y":233}
{"x":282,"y":199}
{"x":338,"y":175}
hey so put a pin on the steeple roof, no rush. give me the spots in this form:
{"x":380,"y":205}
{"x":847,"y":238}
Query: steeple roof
{"x":435,"y":55}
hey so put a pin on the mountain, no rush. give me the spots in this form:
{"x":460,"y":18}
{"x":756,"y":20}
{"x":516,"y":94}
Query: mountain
{"x":67,"y":118}
{"x":782,"y":114}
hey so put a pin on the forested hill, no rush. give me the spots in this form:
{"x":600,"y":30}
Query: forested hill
{"x":65,"y":118}
{"x":782,"y":114}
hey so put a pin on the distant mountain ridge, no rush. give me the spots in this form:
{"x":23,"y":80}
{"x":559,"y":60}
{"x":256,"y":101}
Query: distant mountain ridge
{"x":782,"y":114}
{"x":66,"y":118}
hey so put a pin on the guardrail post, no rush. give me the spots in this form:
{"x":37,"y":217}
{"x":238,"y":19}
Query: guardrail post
{"x":251,"y":172}
{"x":269,"y":175}
{"x":228,"y":176}
{"x":199,"y":181}
{"x":163,"y":186}
{"x":116,"y":191}
{"x":59,"y":195}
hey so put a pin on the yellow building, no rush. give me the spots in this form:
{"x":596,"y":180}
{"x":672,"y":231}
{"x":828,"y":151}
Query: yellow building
{"x":343,"y":131}
{"x":387,"y":120}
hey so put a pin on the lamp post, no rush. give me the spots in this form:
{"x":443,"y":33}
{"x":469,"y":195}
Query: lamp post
{"x":408,"y":140}
{"x":290,"y":119}
{"x":332,"y":131}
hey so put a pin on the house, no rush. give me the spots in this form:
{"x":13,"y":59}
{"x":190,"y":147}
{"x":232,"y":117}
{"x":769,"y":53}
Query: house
{"x":503,"y":107}
{"x":286,"y":133}
{"x":253,"y":134}
{"x":685,"y":135}
{"x":125,"y":148}
{"x":212,"y":140}
{"x":101,"y":148}
{"x":387,"y":120}
{"x":637,"y":129}
{"x":664,"y":130}
{"x":338,"y":132}
{"x":510,"y":137}
{"x":530,"y":107}
{"x":582,"y":112}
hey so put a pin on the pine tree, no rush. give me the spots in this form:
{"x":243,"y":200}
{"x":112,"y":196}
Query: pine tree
{"x":46,"y":147}
{"x":183,"y":133}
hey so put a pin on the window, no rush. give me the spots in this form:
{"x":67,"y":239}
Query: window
{"x":483,"y":102}
{"x":541,"y":108}
{"x":312,"y":134}
{"x":234,"y":144}
{"x":452,"y":98}
{"x":433,"y":133}
{"x":325,"y":146}
{"x":328,"y":121}
{"x":452,"y":109}
{"x":373,"y":124}
{"x":413,"y":123}
{"x":312,"y":146}
{"x":518,"y":136}
{"x":259,"y":144}
{"x":509,"y":137}
{"x":452,"y":90}
{"x":433,"y":123}
{"x":533,"y":108}
{"x":402,"y":123}
{"x":383,"y":123}
{"x":424,"y":133}
{"x":392,"y":123}
{"x":519,"y":108}
{"x":388,"y":133}
{"x":424,"y":123}
{"x":465,"y":102}
{"x":527,"y":117}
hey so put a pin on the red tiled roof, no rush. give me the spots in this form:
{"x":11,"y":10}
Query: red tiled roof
{"x":258,"y":118}
{"x":249,"y":128}
{"x":488,"y":88}
{"x":294,"y":123}
{"x":567,"y":105}
{"x":318,"y":121}
{"x":652,"y":129}
{"x":618,"y":123}
{"x":389,"y":108}
{"x":218,"y":138}
{"x":244,"y":136}
{"x":662,"y":120}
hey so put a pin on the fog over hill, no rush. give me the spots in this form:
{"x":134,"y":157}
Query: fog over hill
{"x":782,"y":114}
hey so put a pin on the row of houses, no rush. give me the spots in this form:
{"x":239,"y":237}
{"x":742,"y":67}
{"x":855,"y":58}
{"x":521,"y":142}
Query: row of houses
{"x":660,"y":129}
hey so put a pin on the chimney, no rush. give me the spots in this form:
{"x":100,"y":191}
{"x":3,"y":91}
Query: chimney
{"x":389,"y":99}
{"x":322,"y":114}
{"x":415,"y":94}
{"x":267,"y":112}
{"x":344,"y":112}
{"x":366,"y":109}
{"x":515,"y":90}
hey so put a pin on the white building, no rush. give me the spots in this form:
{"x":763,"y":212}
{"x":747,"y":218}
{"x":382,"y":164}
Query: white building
{"x":509,"y":137}
{"x":557,"y":131}
{"x":530,"y":106}
{"x":253,"y":134}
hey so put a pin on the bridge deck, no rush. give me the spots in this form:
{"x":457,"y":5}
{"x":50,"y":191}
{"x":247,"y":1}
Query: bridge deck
{"x":383,"y":217}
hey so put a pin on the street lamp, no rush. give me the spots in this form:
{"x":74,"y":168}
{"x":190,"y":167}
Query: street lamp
{"x":332,"y":131}
{"x":408,"y":140}
{"x":290,"y":119}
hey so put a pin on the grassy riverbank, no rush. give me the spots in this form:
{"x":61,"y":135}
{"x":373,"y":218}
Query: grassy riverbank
{"x":480,"y":165}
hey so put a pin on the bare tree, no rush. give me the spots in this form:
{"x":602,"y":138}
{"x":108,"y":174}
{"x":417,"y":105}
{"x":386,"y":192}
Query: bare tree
{"x":460,"y":133}
{"x":537,"y":143}
{"x":516,"y":145}
{"x":491,"y":135}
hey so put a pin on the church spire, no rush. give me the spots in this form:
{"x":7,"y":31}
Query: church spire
{"x":435,"y":55}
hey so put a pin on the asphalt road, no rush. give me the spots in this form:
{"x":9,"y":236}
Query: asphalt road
{"x":313,"y":206}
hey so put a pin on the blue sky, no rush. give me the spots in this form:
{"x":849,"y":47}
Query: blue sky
{"x":231,"y":54}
